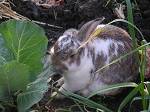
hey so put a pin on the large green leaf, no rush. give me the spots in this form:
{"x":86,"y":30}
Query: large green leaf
{"x":22,"y":48}
{"x":26,"y":41}
{"x":33,"y":95}
{"x":35,"y":90}
{"x":2,"y":94}
{"x":14,"y":76}
{"x":4,"y":52}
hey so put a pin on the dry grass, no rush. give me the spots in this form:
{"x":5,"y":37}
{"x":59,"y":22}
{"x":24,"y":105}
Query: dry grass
{"x":7,"y":12}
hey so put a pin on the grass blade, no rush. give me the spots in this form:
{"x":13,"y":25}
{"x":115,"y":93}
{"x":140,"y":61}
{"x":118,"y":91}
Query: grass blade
{"x":129,"y":97}
{"x":129,"y":23}
{"x":142,"y":73}
{"x":114,"y":86}
{"x":81,"y":110}
{"x":130,"y":19}
{"x":86,"y":101}
{"x":137,"y":99}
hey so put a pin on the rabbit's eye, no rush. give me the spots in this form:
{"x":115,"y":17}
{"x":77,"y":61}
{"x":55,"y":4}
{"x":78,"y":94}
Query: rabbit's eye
{"x":72,"y":55}
{"x":48,"y":53}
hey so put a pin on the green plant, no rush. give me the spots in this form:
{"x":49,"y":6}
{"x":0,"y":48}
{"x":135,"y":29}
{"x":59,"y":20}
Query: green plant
{"x":35,"y":90}
{"x":130,"y":19}
{"x":22,"y":47}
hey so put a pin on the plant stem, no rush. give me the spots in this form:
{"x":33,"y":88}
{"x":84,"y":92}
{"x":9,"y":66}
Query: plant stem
{"x":142,"y":73}
{"x":130,"y":19}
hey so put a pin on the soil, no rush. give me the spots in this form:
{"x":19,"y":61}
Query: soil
{"x":73,"y":14}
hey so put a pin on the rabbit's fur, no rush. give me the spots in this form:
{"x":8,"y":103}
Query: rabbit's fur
{"x":79,"y":69}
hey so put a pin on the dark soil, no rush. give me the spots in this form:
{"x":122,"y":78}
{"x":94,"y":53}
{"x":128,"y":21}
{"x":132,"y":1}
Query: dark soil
{"x":73,"y":14}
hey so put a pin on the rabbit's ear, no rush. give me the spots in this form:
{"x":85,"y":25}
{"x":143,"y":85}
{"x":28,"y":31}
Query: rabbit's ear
{"x":88,"y":28}
{"x":72,"y":32}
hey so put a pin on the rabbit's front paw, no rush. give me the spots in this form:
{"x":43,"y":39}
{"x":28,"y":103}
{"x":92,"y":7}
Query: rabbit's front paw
{"x":57,"y":95}
{"x":61,"y":91}
{"x":59,"y":83}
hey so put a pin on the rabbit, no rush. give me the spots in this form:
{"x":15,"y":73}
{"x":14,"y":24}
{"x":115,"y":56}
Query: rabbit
{"x":80,"y":69}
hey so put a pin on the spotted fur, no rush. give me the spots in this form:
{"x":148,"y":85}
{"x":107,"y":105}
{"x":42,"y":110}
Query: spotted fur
{"x":79,"y":69}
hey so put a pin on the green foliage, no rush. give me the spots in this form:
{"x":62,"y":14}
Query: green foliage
{"x":130,"y":19}
{"x":4,"y":53}
{"x":14,"y":76}
{"x":26,"y":43}
{"x":22,"y":48}
{"x":33,"y":94}
{"x":86,"y":101}
{"x":112,"y":87}
{"x":35,"y":90}
{"x":129,"y":97}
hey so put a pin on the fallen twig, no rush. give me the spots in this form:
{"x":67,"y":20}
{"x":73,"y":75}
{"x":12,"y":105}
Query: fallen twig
{"x":46,"y":24}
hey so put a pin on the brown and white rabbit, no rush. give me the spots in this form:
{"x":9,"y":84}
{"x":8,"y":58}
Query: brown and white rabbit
{"x":79,"y":69}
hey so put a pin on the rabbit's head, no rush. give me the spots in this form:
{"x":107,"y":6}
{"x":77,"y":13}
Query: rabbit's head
{"x":64,"y":53}
{"x":64,"y":50}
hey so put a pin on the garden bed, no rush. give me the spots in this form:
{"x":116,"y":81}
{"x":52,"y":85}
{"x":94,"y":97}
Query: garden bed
{"x":73,"y":14}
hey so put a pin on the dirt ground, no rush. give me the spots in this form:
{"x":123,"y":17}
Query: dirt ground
{"x":73,"y":14}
